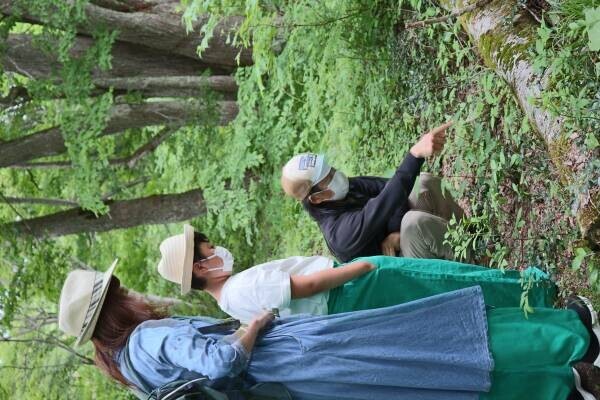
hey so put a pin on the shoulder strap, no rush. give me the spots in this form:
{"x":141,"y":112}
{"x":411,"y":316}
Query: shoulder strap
{"x":226,"y":325}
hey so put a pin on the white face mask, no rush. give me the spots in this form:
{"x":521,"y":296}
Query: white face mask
{"x":339,"y":186}
{"x":225,"y":256}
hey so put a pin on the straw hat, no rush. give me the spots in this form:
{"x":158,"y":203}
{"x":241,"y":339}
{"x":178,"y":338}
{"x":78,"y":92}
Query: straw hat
{"x":177,"y":258}
{"x":81,"y":300}
{"x":303,"y":172}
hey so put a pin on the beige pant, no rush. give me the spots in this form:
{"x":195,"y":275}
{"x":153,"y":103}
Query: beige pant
{"x":424,"y":226}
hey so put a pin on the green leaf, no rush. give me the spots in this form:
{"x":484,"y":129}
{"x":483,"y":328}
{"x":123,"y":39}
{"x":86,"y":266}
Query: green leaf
{"x":592,"y":21}
{"x":576,"y":263}
{"x":591,"y":141}
{"x":580,"y":254}
{"x":593,"y":276}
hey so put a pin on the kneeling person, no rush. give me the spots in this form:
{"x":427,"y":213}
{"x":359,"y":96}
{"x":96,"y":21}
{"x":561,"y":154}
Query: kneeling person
{"x":366,"y":216}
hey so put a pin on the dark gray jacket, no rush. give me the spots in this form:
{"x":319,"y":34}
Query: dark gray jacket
{"x":374,"y":207}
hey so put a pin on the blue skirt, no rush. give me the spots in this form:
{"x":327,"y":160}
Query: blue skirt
{"x":429,"y":349}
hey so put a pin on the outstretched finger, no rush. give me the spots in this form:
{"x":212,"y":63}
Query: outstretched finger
{"x":441,"y":128}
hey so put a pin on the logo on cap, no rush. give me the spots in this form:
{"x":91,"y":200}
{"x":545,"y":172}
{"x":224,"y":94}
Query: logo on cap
{"x":307,"y":161}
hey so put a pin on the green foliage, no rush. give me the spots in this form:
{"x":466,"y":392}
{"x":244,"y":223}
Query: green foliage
{"x":339,"y":77}
{"x":592,"y":22}
{"x":565,"y":52}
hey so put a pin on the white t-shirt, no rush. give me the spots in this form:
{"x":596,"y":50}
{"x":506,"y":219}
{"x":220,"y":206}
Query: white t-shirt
{"x":266,"y":286}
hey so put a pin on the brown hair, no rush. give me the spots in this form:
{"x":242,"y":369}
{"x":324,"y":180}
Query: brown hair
{"x":121,"y":314}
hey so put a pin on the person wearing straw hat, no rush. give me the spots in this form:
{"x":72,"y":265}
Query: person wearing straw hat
{"x":469,"y":352}
{"x":295,"y":285}
{"x":365,"y":216}
{"x":317,"y":285}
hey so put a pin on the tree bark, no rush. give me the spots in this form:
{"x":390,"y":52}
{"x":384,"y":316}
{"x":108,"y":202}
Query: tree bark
{"x":124,"y":116}
{"x":160,"y":27}
{"x":130,"y":5}
{"x":128,"y":60}
{"x":157,"y":209}
{"x":506,"y":48}
{"x":176,"y":86}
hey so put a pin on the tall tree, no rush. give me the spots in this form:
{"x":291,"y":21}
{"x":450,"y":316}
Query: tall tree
{"x":157,"y":209}
{"x":85,"y":74}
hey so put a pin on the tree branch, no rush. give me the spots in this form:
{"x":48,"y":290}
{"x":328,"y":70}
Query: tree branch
{"x":55,"y":342}
{"x":130,"y":161}
{"x":454,"y":14}
{"x":128,"y":185}
{"x":149,"y":147}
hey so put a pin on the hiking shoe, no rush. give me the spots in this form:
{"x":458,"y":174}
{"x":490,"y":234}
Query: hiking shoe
{"x":583,"y":307}
{"x":587,"y":380}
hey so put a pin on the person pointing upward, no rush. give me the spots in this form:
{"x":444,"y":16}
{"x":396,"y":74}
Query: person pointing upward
{"x":365,"y":216}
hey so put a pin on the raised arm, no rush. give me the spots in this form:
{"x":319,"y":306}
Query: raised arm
{"x":361,"y":226}
{"x":354,"y":230}
{"x":370,"y":186}
{"x":309,"y":285}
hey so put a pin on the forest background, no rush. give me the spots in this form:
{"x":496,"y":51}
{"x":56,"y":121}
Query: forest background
{"x":120,"y":119}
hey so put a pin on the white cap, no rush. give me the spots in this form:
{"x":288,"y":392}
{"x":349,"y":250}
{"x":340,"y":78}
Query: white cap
{"x":303,"y":172}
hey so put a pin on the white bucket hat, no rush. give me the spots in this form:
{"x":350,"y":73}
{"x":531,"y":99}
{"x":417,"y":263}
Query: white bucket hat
{"x":302,"y":172}
{"x":81,"y":300}
{"x":177,"y":258}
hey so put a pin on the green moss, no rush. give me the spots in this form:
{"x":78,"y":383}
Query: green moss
{"x":558,"y":150}
{"x":494,"y":47}
{"x":588,"y":219}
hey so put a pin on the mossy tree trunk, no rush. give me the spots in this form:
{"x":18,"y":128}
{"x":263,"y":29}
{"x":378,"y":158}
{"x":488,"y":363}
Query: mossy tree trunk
{"x":505,"y":36}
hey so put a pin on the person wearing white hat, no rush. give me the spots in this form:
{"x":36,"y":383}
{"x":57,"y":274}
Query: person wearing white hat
{"x":469,"y":352}
{"x":294,"y":285}
{"x":316,"y":285}
{"x":365,"y":216}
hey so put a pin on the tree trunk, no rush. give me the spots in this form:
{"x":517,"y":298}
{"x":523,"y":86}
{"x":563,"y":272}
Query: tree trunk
{"x":506,"y":48}
{"x":160,"y":27}
{"x":124,"y":116}
{"x":175,"y":86}
{"x":157,"y":209}
{"x":128,"y":60}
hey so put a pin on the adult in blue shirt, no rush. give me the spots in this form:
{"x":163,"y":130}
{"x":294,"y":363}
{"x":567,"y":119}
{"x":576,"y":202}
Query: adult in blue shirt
{"x":442,"y":347}
{"x":366,"y":216}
